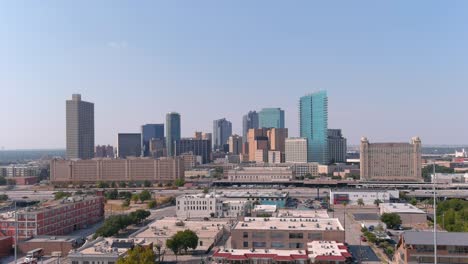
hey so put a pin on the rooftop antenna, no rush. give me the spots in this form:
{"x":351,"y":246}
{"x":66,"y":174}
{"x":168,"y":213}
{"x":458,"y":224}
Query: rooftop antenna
{"x":435,"y":212}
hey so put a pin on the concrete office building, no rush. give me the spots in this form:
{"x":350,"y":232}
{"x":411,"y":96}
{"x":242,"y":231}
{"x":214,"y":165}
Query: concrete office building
{"x":80,"y":128}
{"x":157,"y":148}
{"x":296,"y":150}
{"x":277,"y":140}
{"x":129,"y":145}
{"x":391,"y":161}
{"x":271,"y":118}
{"x":209,"y":232}
{"x":337,"y":147}
{"x":284,"y":233}
{"x":303,"y":169}
{"x":260,"y":174}
{"x":409,"y":214}
{"x":275,"y":157}
{"x":104,"y":151}
{"x":368,"y":196}
{"x":313,"y":122}
{"x":148,"y":132}
{"x":257,"y":140}
{"x":163,"y":170}
{"x":197,"y":206}
{"x":105,"y":250}
{"x":235,"y":144}
{"x":198,"y":147}
{"x":222,"y":130}
{"x":172,"y":131}
{"x":250,"y":120}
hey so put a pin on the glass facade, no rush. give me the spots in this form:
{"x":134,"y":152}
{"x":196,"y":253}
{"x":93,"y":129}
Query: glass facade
{"x":250,"y":120}
{"x":172,"y":131}
{"x":313,"y":119}
{"x":271,"y":118}
{"x":148,"y":132}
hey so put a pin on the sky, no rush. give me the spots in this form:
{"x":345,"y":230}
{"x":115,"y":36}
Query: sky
{"x":392,"y":69}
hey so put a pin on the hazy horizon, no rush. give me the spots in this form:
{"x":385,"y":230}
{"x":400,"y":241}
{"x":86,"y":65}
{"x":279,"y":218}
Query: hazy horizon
{"x":392,"y":70}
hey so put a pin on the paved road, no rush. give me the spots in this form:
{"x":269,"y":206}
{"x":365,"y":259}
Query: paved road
{"x":353,"y":233}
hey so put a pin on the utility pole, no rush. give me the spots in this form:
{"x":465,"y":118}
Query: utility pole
{"x":435,"y":212}
{"x":16,"y":233}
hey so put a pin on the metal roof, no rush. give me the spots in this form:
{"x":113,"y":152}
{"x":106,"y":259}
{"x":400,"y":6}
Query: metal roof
{"x":443,"y":238}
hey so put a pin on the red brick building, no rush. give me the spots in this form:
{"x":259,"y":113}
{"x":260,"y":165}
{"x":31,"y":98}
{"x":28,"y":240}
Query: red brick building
{"x":59,"y":217}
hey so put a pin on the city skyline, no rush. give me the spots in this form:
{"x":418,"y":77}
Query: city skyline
{"x":269,"y":54}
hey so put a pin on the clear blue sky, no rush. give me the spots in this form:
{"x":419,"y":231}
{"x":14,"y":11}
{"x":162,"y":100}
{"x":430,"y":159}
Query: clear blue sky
{"x":393,"y":69}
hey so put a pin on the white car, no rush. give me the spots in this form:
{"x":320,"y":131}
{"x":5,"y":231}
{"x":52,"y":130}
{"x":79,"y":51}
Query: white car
{"x":30,"y":260}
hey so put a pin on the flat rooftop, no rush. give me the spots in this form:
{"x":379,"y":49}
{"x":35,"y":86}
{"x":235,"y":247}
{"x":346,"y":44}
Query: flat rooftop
{"x":361,"y":190}
{"x":327,"y":251}
{"x":400,"y":208}
{"x":46,"y":239}
{"x":303,"y":213}
{"x":265,"y":208}
{"x":164,"y":228}
{"x":108,"y":246}
{"x":247,"y":194}
{"x":443,"y":238}
{"x":275,"y":223}
{"x":274,"y":254}
{"x":46,"y":205}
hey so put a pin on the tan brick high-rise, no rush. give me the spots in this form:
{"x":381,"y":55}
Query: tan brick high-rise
{"x":391,"y":161}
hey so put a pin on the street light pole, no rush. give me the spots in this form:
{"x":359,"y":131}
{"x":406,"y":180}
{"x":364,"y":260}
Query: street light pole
{"x":435,"y":212}
{"x":16,"y":233}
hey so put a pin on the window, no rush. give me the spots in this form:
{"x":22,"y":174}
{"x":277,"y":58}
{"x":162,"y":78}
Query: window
{"x":277,"y":245}
{"x":246,"y":244}
{"x":258,"y":235}
{"x":201,"y":243}
{"x":315,"y":236}
{"x":296,"y":245}
{"x":277,"y":235}
{"x":246,"y":235}
{"x":296,"y":235}
{"x":259,"y":244}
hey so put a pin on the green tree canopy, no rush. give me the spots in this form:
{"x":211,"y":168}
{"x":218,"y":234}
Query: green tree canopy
{"x":360,"y":202}
{"x":61,"y":194}
{"x":138,"y":255}
{"x":391,"y":219}
{"x":179,"y":182}
{"x":145,"y":195}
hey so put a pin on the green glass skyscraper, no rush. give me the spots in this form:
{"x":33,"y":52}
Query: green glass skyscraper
{"x":313,"y":120}
{"x":172,"y":131}
{"x":271,"y":118}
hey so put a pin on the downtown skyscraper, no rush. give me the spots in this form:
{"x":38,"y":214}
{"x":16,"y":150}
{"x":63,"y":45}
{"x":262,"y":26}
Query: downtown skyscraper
{"x":271,"y":118}
{"x":250,"y":120}
{"x":313,"y":122}
{"x":172,"y":131}
{"x":222,"y":130}
{"x":148,"y":132}
{"x":80,"y":128}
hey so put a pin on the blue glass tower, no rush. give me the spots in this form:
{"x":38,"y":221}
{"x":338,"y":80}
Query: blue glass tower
{"x":313,"y":120}
{"x":271,"y":118}
{"x":148,"y":132}
{"x":172,"y":131}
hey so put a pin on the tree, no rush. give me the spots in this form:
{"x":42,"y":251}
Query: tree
{"x":113,"y":185}
{"x":135,"y":197}
{"x":360,"y":202}
{"x":112,"y":195}
{"x":126,"y":203}
{"x":391,"y":219}
{"x":377,"y":202}
{"x":3,"y":181}
{"x":102,"y":185}
{"x":122,"y":184}
{"x":179,"y":182}
{"x":206,"y":190}
{"x":413,"y":201}
{"x":145,"y":195}
{"x":152,"y":204}
{"x":61,"y":194}
{"x":147,"y":183}
{"x":185,"y":240}
{"x":139,"y":255}
{"x":3,"y":197}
